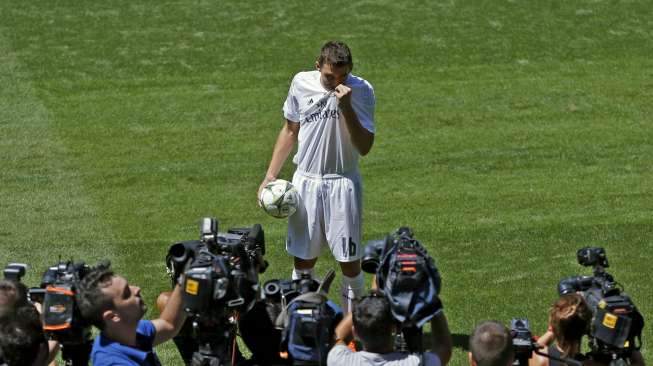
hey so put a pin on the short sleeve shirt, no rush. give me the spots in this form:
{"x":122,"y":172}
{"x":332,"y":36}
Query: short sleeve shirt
{"x":107,"y":352}
{"x":324,"y":143}
{"x":342,"y":355}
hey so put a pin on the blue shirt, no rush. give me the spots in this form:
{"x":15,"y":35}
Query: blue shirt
{"x":107,"y":352}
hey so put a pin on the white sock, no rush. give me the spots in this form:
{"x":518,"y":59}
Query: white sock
{"x":351,"y":288}
{"x":297,"y":273}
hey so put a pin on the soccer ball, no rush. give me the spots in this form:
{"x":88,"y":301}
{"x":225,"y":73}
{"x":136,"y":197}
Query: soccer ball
{"x":279,"y":198}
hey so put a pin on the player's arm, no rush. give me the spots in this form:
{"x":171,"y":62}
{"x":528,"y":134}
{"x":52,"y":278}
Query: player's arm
{"x":361,"y":138}
{"x":172,"y":318}
{"x":442,"y":343}
{"x":282,"y":148}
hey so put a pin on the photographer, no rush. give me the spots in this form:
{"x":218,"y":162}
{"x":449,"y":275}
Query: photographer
{"x":116,"y":308}
{"x":569,"y":320}
{"x":373,"y":323}
{"x":491,"y":345}
{"x":14,"y":304}
{"x":22,"y":341}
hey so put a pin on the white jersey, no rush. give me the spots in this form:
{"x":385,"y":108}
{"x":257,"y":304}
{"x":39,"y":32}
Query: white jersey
{"x":324,"y":143}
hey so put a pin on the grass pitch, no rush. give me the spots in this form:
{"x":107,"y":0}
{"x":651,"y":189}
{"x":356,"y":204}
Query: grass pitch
{"x":510,"y":134}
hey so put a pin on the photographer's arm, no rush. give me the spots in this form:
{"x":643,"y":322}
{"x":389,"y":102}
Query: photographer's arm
{"x":53,"y":346}
{"x":442,"y":342}
{"x":282,"y":148}
{"x":172,"y":318}
{"x":344,"y":331}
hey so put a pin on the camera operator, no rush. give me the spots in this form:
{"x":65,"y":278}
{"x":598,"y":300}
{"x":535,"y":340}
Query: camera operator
{"x":22,"y":341}
{"x":14,"y":304}
{"x":491,"y":345}
{"x":110,"y":303}
{"x":373,"y":323}
{"x":569,"y":320}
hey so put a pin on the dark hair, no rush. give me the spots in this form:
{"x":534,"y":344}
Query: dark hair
{"x":21,"y":336}
{"x":91,"y":300}
{"x":12,"y":295}
{"x":373,"y":319}
{"x":491,"y":344}
{"x":569,"y":317}
{"x":335,"y":53}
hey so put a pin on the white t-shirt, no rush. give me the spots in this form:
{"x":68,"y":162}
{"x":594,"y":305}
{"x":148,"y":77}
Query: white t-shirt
{"x":324,"y":144}
{"x":342,"y":355}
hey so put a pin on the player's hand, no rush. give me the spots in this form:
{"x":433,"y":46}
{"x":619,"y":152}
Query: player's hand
{"x":260,"y":188}
{"x":343,"y":93}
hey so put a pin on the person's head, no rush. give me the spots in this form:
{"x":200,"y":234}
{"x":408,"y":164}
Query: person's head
{"x":12,"y":295}
{"x":490,"y":345}
{"x":569,"y":317}
{"x":107,"y":300}
{"x":334,"y":63}
{"x":374,"y":324}
{"x":22,"y":341}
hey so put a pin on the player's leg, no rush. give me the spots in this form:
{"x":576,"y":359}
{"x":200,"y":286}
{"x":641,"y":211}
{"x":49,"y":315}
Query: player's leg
{"x":303,"y":267}
{"x":305,"y":234}
{"x":343,"y":232}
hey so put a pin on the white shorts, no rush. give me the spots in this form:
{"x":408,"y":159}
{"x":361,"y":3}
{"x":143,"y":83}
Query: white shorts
{"x":329,"y":212}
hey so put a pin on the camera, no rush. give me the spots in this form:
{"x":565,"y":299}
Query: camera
{"x":522,"y":340}
{"x":218,"y":275}
{"x":408,"y":277}
{"x":524,"y":346}
{"x":375,"y":249}
{"x":305,"y":317}
{"x":616,"y":326}
{"x":220,"y":271}
{"x":62,"y":320}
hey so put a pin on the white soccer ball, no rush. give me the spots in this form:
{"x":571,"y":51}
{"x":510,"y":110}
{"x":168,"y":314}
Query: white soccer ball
{"x":279,"y":198}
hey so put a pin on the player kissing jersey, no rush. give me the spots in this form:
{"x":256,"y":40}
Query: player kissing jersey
{"x":324,"y":144}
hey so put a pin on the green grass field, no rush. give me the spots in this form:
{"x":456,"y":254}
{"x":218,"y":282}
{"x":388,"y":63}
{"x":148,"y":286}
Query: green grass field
{"x":509,"y":134}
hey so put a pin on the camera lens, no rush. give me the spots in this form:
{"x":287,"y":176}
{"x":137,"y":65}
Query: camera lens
{"x":370,"y":265}
{"x":271,"y":289}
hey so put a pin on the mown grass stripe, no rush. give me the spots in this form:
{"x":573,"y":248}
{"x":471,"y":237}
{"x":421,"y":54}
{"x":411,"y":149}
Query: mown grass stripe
{"x":45,"y":211}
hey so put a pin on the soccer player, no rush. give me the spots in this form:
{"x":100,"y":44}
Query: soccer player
{"x":330,"y":114}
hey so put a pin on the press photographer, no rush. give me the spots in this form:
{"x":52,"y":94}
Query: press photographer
{"x":491,"y":344}
{"x":389,"y":322}
{"x":18,"y":309}
{"x":219,"y":278}
{"x":614,"y":323}
{"x":372,"y":322}
{"x":110,"y":303}
{"x":22,"y":341}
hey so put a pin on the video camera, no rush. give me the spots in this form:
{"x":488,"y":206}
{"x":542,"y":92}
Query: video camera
{"x":305,"y":317}
{"x":408,"y":277}
{"x":524,"y":346}
{"x":218,"y":275}
{"x":62,"y":320}
{"x":616,"y":327}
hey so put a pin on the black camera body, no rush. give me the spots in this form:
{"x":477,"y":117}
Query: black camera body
{"x":62,"y":320}
{"x":409,"y":279}
{"x":219,"y":272}
{"x":616,"y":327}
{"x":218,"y":275}
{"x":522,"y":340}
{"x":524,"y":346}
